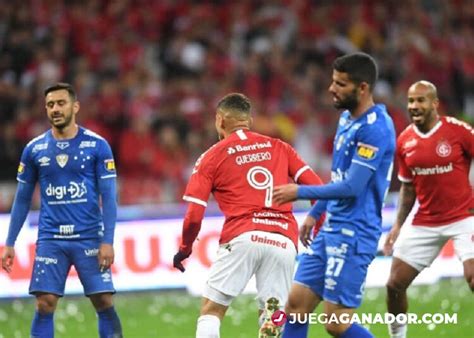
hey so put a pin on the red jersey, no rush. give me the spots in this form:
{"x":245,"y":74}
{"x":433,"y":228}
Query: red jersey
{"x":241,"y":171}
{"x":438,"y":164}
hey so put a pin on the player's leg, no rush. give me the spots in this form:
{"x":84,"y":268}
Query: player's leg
{"x":48,"y":279}
{"x":98,"y":286}
{"x":344,"y":281}
{"x":273,"y":275}
{"x":212,"y":313}
{"x":43,"y":325}
{"x":415,"y":249}
{"x":228,"y":276}
{"x":307,"y":288}
{"x":469,"y":272}
{"x":108,"y":319}
{"x":462,"y":234}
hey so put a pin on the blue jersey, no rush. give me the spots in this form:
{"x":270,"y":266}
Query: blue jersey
{"x":68,"y":172}
{"x":369,"y":141}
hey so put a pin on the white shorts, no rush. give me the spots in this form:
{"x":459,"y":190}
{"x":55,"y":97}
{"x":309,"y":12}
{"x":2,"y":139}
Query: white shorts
{"x":268,"y":256}
{"x":418,"y":245}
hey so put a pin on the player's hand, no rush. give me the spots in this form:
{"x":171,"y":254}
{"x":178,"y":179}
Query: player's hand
{"x":178,"y":259}
{"x":306,"y":230}
{"x":285,"y":193}
{"x":105,"y":256}
{"x":390,"y":240}
{"x":310,"y":228}
{"x":7,"y":258}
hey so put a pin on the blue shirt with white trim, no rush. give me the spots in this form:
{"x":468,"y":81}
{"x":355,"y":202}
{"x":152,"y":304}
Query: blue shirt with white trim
{"x":70,"y":175}
{"x":363,"y":152}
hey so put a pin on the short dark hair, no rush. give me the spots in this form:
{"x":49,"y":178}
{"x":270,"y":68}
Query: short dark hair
{"x":360,"y":67}
{"x":235,"y":102}
{"x":61,"y":86}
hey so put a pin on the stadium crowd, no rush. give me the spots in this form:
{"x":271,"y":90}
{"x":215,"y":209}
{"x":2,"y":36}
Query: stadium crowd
{"x":149,"y":73}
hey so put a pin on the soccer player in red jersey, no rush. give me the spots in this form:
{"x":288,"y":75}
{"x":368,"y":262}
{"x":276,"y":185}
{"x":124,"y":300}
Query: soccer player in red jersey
{"x":434,"y":155}
{"x":258,"y":237}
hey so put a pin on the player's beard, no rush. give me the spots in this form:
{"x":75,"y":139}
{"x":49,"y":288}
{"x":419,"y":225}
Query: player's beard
{"x":67,"y":118}
{"x":350,"y":102}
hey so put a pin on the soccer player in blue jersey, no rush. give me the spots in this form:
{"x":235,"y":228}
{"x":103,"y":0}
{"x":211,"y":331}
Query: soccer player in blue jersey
{"x":335,"y":268}
{"x":74,"y":168}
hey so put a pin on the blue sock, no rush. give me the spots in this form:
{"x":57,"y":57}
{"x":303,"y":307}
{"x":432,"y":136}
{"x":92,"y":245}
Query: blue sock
{"x":42,"y":325}
{"x":295,"y":330}
{"x":109,"y":324}
{"x":356,"y":331}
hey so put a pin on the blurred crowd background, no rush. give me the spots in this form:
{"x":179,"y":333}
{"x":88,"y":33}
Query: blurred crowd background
{"x":149,"y":73}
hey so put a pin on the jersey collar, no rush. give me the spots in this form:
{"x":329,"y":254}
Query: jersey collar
{"x":431,"y":132}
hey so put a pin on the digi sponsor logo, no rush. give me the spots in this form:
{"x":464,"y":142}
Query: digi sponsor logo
{"x":46,"y":260}
{"x":366,"y":151}
{"x":109,"y":165}
{"x":74,"y":190}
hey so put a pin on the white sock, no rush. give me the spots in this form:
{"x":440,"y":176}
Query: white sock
{"x":396,"y":330}
{"x":208,"y":327}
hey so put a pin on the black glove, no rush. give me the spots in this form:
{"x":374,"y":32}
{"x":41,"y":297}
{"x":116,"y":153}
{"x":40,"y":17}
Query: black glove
{"x":178,"y":258}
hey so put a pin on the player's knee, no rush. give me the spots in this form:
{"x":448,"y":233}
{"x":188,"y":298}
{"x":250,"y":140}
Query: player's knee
{"x":296,"y":306}
{"x":394,"y":286}
{"x":470,"y":282}
{"x":335,"y":329}
{"x":46,"y":303}
{"x":102,"y":301}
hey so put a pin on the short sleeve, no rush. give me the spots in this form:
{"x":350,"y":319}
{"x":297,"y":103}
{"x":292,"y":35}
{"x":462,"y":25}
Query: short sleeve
{"x":200,"y":184}
{"x":105,"y":165}
{"x":372,"y":140}
{"x":27,"y":172}
{"x":296,"y":165}
{"x":404,"y":173}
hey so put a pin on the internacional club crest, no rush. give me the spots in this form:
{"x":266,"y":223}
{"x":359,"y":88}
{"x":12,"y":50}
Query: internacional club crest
{"x":443,"y":149}
{"x":62,"y":160}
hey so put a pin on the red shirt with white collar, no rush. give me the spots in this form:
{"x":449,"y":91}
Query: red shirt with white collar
{"x":241,"y":171}
{"x":437,"y":163}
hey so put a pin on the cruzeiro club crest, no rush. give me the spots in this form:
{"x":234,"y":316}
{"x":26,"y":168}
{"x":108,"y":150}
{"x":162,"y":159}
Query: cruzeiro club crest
{"x":62,"y":160}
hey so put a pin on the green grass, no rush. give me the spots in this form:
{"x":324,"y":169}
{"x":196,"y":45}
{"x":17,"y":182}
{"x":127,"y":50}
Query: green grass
{"x":173,"y":314}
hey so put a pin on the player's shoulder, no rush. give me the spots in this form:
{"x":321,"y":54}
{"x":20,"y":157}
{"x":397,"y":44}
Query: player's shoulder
{"x":87,"y":133}
{"x":40,"y":142}
{"x":90,"y":139}
{"x":407,"y":132}
{"x":453,"y":123}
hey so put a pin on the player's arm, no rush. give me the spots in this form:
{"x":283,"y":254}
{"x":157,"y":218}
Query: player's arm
{"x":406,"y":200}
{"x":20,"y":208}
{"x":108,"y":192}
{"x":191,"y":227}
{"x":357,"y":178}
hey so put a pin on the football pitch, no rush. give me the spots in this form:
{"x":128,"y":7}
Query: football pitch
{"x":172,"y":314}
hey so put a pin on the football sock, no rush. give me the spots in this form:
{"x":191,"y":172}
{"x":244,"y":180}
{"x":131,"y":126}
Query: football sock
{"x":396,"y":330}
{"x":42,"y":325}
{"x":109,"y":324}
{"x":295,"y":330}
{"x":208,"y":327}
{"x":357,"y":331}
